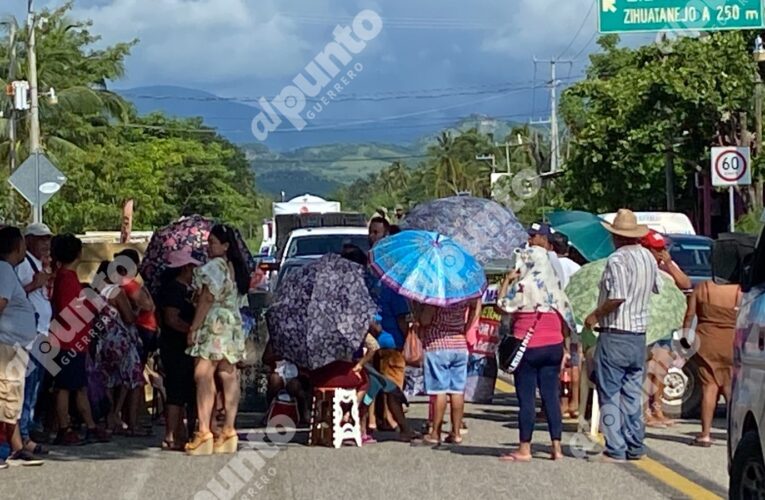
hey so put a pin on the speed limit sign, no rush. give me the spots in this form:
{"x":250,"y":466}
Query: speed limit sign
{"x":730,"y":167}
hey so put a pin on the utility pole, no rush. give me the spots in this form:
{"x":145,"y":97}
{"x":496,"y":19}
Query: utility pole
{"x":554,"y":132}
{"x":34,"y":115}
{"x":12,"y":118}
{"x":669,"y":174}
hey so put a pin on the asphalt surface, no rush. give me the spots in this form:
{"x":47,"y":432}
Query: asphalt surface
{"x":135,"y":468}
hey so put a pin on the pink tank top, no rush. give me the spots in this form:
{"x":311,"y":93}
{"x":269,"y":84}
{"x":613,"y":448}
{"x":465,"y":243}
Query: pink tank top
{"x":548,"y":331}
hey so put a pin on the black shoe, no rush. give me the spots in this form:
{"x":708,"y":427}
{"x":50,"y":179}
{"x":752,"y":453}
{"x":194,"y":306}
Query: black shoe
{"x":24,"y":458}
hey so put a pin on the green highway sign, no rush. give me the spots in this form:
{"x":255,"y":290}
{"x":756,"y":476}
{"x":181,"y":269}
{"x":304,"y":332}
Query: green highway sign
{"x":632,"y":16}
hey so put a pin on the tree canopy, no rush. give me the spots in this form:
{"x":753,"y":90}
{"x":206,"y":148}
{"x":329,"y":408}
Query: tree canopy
{"x":109,"y":154}
{"x":635,"y":106}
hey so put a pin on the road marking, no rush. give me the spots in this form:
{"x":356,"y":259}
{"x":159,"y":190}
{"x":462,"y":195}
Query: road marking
{"x":674,"y":480}
{"x":648,"y":465}
{"x":503,"y":386}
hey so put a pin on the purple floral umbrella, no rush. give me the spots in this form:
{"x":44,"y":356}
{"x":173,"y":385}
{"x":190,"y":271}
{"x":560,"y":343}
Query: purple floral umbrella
{"x":186,"y":233}
{"x":486,"y":229}
{"x":321,"y":313}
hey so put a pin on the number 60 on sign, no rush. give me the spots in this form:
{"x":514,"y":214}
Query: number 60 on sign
{"x":731,"y":167}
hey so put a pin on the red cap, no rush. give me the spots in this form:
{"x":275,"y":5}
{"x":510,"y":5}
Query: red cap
{"x":654,"y":241}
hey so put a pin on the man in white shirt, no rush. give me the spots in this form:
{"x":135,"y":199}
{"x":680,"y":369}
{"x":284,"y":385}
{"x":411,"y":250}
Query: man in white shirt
{"x":34,"y":277}
{"x":539,"y":235}
{"x":559,"y":242}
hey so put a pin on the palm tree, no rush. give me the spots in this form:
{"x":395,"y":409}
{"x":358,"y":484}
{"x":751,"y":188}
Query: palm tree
{"x":85,"y":106}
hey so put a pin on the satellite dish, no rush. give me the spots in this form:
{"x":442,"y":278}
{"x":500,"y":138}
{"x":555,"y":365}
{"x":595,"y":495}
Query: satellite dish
{"x":50,"y":187}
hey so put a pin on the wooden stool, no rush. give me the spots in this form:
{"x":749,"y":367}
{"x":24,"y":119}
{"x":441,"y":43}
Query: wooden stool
{"x":330,"y":405}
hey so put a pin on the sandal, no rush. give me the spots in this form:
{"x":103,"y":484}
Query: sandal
{"x":202,"y":444}
{"x":700,"y":443}
{"x":168,"y":445}
{"x":367,"y":439}
{"x":227,"y":442}
{"x":452,"y":439}
{"x":426,"y":441}
{"x":515,"y":457}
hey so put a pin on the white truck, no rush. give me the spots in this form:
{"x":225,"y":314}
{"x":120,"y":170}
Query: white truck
{"x":299,"y":205}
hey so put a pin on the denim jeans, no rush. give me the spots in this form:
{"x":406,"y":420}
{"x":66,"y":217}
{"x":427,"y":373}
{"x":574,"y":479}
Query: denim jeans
{"x":619,"y":363}
{"x":539,"y":367}
{"x":32,"y":383}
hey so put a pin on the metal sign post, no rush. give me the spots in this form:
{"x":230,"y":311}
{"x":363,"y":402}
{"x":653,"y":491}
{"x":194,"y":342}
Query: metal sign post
{"x":731,"y":168}
{"x":732,"y":205}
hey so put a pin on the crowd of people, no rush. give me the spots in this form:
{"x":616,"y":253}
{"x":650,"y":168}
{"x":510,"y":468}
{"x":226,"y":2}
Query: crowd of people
{"x":74,"y":360}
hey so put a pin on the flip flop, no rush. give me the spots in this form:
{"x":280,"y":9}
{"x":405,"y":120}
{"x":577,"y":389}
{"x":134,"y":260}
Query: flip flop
{"x":514,"y":457}
{"x":425,"y":442}
{"x":453,"y":440}
{"x":701,"y":443}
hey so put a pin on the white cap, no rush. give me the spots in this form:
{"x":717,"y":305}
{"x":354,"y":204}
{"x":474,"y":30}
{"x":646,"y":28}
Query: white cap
{"x":37,"y":229}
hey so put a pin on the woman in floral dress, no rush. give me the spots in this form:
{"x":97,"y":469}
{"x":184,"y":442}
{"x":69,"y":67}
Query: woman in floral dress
{"x":117,"y":354}
{"x":216,"y":338}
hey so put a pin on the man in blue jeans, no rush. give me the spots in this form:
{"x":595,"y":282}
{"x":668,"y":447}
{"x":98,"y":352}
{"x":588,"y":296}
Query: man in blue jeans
{"x":630,"y":278}
{"x":34,"y":275}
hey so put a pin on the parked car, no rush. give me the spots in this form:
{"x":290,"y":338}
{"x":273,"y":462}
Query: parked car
{"x":693,"y":254}
{"x":289,"y":267}
{"x":746,"y":411}
{"x":323,"y":240}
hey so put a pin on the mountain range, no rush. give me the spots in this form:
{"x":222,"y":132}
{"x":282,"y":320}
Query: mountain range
{"x":299,"y":163}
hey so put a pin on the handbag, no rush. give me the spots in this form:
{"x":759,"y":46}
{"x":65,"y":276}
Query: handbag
{"x":413,"y":349}
{"x":511,"y":349}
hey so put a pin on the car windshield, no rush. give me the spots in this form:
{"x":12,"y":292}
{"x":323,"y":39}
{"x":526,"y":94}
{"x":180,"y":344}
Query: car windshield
{"x":325,"y":243}
{"x":693,"y":258}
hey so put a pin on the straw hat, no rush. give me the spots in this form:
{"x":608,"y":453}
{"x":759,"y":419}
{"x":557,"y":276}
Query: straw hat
{"x":625,"y":224}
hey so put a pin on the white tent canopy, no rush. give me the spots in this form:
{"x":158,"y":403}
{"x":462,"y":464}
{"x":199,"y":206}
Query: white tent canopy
{"x":306,"y":204}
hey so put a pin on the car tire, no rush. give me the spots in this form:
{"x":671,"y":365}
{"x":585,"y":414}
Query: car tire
{"x":747,"y":473}
{"x":689,"y":405}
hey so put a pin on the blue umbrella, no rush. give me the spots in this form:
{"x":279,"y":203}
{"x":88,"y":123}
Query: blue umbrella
{"x":486,"y":229}
{"x":428,"y":268}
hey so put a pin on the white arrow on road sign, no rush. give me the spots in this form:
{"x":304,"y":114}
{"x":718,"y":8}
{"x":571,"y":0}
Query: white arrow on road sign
{"x":37,"y":189}
{"x":609,"y":5}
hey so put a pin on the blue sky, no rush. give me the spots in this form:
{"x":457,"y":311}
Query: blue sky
{"x":253,"y":48}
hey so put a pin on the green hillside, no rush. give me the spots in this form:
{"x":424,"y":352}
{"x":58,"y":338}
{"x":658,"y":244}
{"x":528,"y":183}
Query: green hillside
{"x":321,"y":170}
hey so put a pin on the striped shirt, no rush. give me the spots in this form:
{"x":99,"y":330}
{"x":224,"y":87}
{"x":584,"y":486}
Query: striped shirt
{"x":447,"y":331}
{"x":631,"y":275}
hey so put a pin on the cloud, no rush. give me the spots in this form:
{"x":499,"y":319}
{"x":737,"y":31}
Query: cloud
{"x":201,"y":42}
{"x":543,"y":26}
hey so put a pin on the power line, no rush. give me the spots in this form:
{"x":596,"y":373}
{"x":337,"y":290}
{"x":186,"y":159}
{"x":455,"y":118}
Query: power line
{"x":594,"y":35}
{"x":373,"y":96}
{"x":579,"y":31}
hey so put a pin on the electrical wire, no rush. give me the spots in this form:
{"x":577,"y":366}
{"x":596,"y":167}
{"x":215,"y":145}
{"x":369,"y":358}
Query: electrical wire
{"x":440,"y":93}
{"x":586,"y":45}
{"x":579,"y":31}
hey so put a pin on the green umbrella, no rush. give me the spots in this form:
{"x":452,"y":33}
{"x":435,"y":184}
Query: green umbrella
{"x":667,"y":309}
{"x":585,"y":232}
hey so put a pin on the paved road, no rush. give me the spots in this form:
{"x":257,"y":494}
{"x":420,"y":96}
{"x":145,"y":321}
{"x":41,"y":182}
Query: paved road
{"x":137,"y":469}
